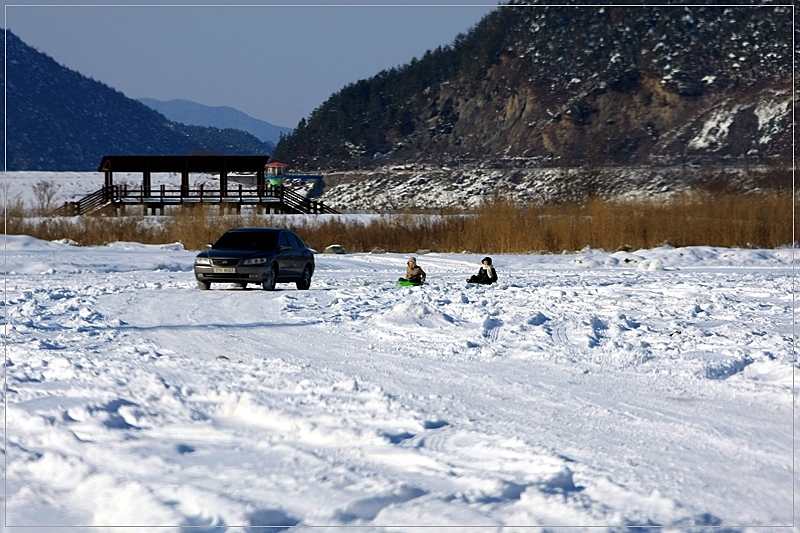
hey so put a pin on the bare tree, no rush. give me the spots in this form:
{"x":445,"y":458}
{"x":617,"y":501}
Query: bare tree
{"x":12,"y":207}
{"x":45,"y":193}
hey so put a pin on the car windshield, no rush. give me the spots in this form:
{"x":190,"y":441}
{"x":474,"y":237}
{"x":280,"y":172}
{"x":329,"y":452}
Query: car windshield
{"x":242,"y":240}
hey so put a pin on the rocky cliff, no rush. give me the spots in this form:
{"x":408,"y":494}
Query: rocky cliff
{"x":573,"y":86}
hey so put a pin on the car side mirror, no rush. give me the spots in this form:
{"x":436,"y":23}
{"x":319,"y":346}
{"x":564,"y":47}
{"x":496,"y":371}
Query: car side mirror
{"x":208,"y":245}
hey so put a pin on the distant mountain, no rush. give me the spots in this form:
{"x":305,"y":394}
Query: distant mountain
{"x":194,"y":114}
{"x":58,"y":119}
{"x":573,"y":85}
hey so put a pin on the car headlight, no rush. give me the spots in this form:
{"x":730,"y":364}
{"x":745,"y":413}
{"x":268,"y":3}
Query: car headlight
{"x":202,"y":260}
{"x":255,"y":261}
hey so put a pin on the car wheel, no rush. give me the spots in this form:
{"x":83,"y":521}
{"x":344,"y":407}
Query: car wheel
{"x":272,"y":277}
{"x":204,"y":285}
{"x":305,"y":281}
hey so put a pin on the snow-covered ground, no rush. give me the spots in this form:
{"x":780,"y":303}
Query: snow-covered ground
{"x":650,"y":388}
{"x":72,"y":186}
{"x":414,"y":187}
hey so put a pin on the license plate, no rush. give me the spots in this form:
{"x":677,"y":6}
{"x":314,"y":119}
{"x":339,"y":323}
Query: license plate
{"x":224,"y":271}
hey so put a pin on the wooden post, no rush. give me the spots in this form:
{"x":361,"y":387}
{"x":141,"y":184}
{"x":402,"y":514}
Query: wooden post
{"x":184,"y":183}
{"x":223,"y":183}
{"x":146,"y":184}
{"x":260,"y":182}
{"x":109,"y":183}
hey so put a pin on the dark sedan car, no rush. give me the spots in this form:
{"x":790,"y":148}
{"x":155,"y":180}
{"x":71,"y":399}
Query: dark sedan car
{"x":256,"y":255}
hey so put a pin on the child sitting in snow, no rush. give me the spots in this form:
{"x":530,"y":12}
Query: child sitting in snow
{"x":486,"y":274}
{"x":414,"y":273}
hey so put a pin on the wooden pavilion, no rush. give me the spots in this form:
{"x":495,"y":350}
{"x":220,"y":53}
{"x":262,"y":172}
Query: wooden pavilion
{"x":272,"y":197}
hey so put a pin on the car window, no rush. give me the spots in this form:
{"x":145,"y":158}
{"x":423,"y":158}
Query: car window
{"x":242,"y":240}
{"x":295,"y":240}
{"x":285,"y":240}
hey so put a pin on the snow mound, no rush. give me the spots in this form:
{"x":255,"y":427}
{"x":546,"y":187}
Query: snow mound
{"x":413,"y":314}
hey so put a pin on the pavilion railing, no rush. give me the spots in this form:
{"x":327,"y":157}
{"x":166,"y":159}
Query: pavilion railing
{"x":88,"y":204}
{"x":300,"y":203}
{"x":286,"y":199}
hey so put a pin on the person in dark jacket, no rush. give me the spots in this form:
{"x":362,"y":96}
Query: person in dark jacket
{"x":486,"y":274}
{"x":414,"y":273}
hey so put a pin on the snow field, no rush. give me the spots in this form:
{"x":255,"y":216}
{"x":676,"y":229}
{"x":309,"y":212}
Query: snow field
{"x":591,"y":389}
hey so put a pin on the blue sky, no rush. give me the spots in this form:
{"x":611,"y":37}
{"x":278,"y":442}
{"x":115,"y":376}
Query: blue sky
{"x":275,"y":62}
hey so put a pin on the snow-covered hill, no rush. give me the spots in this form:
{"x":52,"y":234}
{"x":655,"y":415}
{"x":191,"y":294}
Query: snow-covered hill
{"x":428,"y":187}
{"x":58,"y":119}
{"x":650,"y":388}
{"x":575,"y":84}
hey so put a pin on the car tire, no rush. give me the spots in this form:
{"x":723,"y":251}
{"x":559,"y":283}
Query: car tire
{"x":305,"y":282}
{"x":204,"y":285}
{"x":272,"y":277}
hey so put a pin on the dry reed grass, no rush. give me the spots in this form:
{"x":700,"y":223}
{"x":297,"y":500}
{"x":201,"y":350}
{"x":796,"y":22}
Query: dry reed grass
{"x":699,"y":218}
